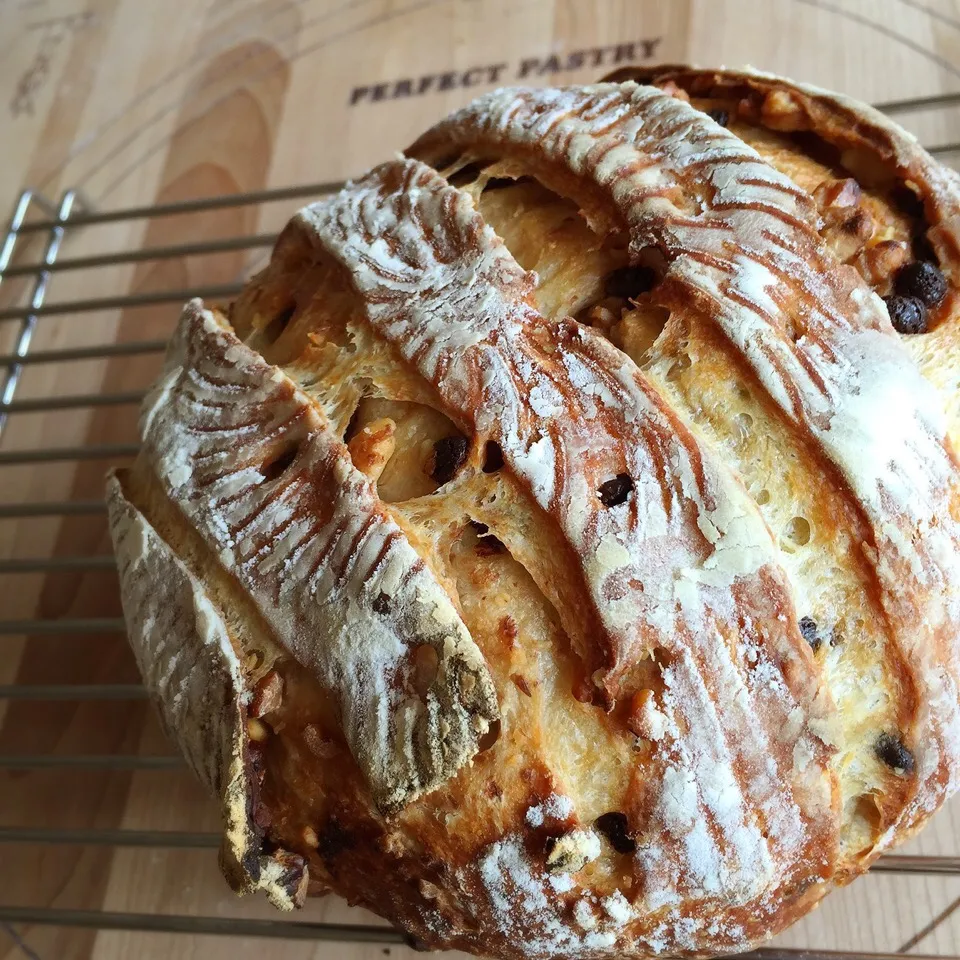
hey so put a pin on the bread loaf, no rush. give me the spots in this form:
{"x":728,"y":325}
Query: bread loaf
{"x":556,"y":548}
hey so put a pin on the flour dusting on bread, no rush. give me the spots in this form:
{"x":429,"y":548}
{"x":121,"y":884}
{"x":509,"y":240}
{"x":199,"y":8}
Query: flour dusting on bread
{"x":553,"y":548}
{"x":317,"y":556}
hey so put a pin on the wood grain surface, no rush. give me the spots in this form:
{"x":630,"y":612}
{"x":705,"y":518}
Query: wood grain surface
{"x":142,"y":102}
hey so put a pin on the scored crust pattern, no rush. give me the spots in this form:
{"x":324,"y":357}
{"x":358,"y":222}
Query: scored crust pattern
{"x":670,"y":571}
{"x":675,"y":598}
{"x":818,"y":339}
{"x":331,"y":574}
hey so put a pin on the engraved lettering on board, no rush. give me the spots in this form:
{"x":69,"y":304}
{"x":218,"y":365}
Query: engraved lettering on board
{"x":546,"y":67}
{"x":52,"y":32}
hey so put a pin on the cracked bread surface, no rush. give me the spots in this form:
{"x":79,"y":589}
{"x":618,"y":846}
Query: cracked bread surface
{"x":581,"y":534}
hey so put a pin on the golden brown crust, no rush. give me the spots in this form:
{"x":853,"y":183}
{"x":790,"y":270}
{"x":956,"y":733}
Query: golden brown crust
{"x":680,"y":758}
{"x":743,"y":254}
{"x":496,"y":364}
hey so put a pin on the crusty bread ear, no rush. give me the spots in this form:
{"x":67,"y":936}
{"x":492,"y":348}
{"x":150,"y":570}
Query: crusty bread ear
{"x":257,"y":469}
{"x":192,"y":673}
{"x":847,"y":133}
{"x":814,"y":135}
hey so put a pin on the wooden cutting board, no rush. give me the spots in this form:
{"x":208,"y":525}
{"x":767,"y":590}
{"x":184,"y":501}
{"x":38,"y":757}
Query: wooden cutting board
{"x":142,"y":102}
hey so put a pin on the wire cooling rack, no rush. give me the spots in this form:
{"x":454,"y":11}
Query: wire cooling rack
{"x":36,"y":217}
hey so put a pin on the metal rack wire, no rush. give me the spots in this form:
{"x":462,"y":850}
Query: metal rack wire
{"x":54,"y":222}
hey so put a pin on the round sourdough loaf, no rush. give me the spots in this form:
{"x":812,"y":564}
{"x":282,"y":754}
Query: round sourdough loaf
{"x":556,"y":548}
